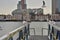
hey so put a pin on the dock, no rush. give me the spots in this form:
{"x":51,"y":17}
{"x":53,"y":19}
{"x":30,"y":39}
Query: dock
{"x":38,"y":37}
{"x":24,"y":32}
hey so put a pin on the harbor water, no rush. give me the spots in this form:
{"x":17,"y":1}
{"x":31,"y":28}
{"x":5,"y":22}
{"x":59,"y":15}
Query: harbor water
{"x":10,"y":26}
{"x":6,"y":27}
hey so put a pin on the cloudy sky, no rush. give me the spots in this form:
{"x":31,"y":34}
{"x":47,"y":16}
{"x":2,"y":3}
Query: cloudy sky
{"x":7,"y":6}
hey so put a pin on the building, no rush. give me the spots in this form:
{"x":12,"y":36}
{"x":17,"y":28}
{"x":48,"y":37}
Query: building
{"x":21,"y":8}
{"x":41,"y":17}
{"x":2,"y":17}
{"x":17,"y":11}
{"x":23,"y":3}
{"x":32,"y":12}
{"x":39,"y":10}
{"x":55,"y":6}
{"x":55,"y":17}
{"x":14,"y":17}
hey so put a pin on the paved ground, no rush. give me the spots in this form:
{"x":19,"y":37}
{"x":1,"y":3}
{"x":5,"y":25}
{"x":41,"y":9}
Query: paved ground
{"x":37,"y":37}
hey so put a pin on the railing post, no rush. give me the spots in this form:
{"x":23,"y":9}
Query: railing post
{"x":20,"y":35}
{"x":48,"y":29}
{"x":57,"y":34}
{"x":25,"y":33}
{"x":28,"y":29}
{"x":11,"y":38}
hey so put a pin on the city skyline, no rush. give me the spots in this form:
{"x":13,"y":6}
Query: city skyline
{"x":7,"y":6}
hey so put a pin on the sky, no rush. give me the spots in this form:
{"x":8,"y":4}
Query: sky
{"x":7,"y":6}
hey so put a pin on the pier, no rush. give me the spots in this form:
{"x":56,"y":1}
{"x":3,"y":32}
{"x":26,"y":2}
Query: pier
{"x":31,"y":31}
{"x":40,"y":22}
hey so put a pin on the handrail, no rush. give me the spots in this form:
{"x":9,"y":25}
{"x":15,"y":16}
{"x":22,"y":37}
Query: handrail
{"x":53,"y":31}
{"x":52,"y":23}
{"x":11,"y":34}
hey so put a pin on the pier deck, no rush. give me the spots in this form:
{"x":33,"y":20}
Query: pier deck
{"x":37,"y":37}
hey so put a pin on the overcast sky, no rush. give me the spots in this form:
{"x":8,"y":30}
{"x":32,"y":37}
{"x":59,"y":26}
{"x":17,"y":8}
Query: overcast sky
{"x":7,"y":6}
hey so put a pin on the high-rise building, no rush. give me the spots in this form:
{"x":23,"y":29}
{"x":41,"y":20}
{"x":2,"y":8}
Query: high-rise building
{"x":19,"y":5}
{"x":23,"y":3}
{"x":55,"y":6}
{"x":21,"y":10}
{"x":18,"y":11}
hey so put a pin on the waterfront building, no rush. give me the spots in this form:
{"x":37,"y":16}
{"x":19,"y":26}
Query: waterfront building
{"x":39,"y":10}
{"x":55,"y":6}
{"x":2,"y":17}
{"x":21,"y":7}
{"x":23,"y":3}
{"x":8,"y":17}
{"x":42,"y":17}
{"x":55,"y":17}
{"x":17,"y":11}
{"x":14,"y":17}
{"x":21,"y":10}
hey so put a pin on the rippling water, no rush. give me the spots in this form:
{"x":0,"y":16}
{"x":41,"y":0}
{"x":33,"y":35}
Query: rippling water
{"x":8,"y":27}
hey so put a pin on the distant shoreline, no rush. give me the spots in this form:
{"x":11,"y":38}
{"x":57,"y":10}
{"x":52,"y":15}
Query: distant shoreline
{"x":28,"y":21}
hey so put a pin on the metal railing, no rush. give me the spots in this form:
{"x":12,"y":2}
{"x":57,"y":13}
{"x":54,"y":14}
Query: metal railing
{"x":33,"y":30}
{"x":43,"y":30}
{"x":23,"y":33}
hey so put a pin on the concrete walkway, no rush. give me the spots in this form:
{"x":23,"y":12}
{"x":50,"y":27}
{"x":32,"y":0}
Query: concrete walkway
{"x":37,"y":37}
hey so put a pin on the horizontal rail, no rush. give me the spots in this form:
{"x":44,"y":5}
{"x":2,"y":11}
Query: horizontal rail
{"x":11,"y":34}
